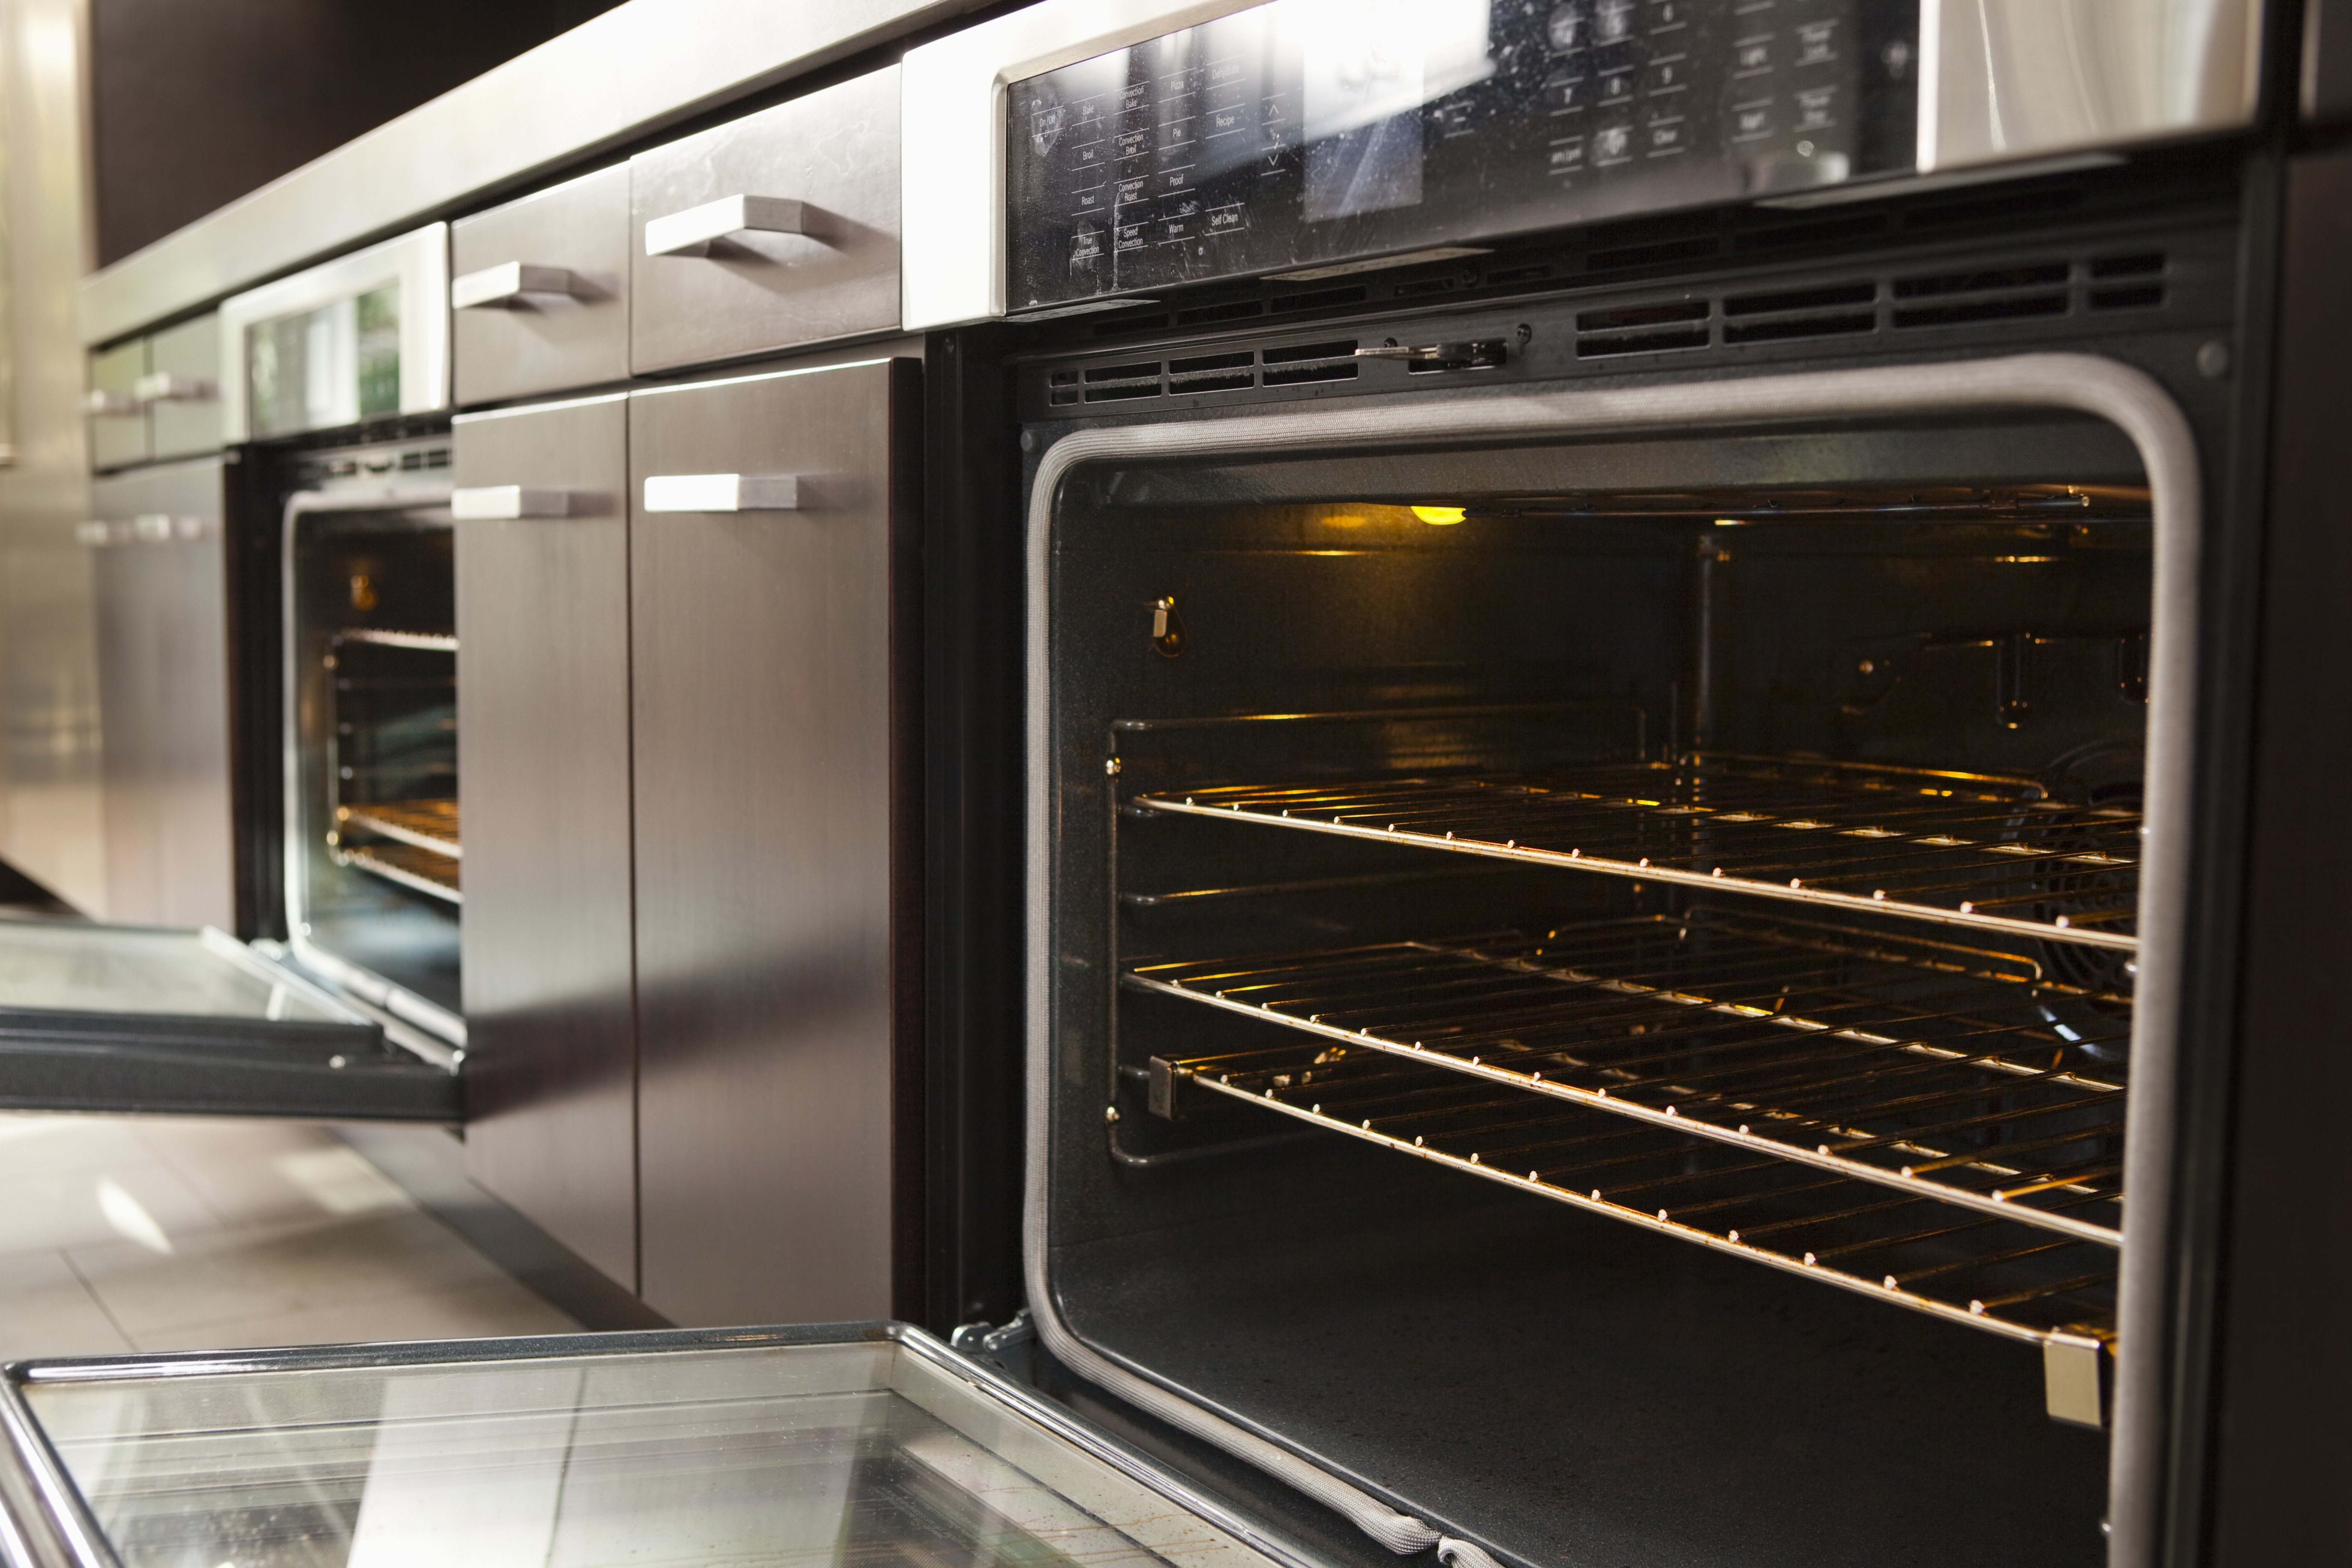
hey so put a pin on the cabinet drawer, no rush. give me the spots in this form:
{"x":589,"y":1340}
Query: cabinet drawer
{"x":777,"y":229}
{"x":119,"y":431}
{"x":539,"y":292}
{"x":182,"y":388}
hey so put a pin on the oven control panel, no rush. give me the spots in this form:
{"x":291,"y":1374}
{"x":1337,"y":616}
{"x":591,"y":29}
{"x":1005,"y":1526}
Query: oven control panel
{"x":1315,"y":138}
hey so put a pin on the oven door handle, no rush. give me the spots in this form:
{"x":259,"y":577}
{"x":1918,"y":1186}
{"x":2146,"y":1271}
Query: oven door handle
{"x":498,"y":503}
{"x":507,"y":284}
{"x":724,"y":492}
{"x":691,"y":232}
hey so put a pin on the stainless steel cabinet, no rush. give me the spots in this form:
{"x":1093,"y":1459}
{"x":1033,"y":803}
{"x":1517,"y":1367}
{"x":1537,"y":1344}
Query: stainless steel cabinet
{"x":180,"y":389}
{"x":539,"y":297}
{"x":119,"y":433}
{"x":773,"y":554}
{"x":543,"y":749}
{"x":162,"y":672}
{"x":774,"y":230}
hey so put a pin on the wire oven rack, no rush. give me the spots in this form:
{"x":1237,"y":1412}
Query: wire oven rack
{"x":1955,"y":848}
{"x":1963,"y":1075}
{"x":406,"y":866}
{"x":429,"y":824}
{"x":1986,"y":1272}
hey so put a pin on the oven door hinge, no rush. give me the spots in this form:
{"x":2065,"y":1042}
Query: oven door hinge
{"x":1005,"y":1349}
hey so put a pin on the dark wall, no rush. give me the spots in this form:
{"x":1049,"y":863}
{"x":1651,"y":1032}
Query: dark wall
{"x":196,"y":102}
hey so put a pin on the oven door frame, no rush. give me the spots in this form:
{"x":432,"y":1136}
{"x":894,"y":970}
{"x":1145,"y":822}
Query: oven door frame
{"x":2126,"y":397}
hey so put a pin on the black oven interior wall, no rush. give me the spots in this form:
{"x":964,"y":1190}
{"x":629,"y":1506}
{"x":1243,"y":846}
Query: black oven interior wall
{"x":1654,"y":647}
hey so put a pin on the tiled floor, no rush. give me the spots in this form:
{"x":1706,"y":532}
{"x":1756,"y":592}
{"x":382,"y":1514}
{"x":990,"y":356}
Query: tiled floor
{"x":168,"y":1233}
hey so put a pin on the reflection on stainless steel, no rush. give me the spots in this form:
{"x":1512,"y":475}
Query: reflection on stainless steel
{"x":385,"y":636}
{"x":882,"y":1448}
{"x":1963,"y":849}
{"x":1959,"y":1075}
{"x":2005,"y":79}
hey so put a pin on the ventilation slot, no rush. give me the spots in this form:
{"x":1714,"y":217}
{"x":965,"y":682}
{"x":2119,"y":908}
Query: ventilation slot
{"x":1505,"y":277}
{"x":1231,"y":310}
{"x":2127,"y":282}
{"x":1209,"y":373}
{"x":1322,"y":298}
{"x":1120,"y":326}
{"x":1303,"y":362}
{"x":1836,"y":311}
{"x":1641,"y":329}
{"x":1062,"y":388}
{"x":1427,"y":286}
{"x":1986,"y":294}
{"x":1114,"y":383}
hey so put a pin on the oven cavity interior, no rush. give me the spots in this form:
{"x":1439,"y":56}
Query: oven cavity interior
{"x":1751,"y":867}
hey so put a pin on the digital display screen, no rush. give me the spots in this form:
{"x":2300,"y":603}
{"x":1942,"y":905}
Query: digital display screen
{"x":1303,"y":134}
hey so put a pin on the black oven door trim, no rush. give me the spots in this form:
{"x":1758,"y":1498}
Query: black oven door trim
{"x":2104,"y":388}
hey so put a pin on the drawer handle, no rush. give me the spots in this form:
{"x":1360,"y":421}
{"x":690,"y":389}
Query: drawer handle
{"x":508,"y":282}
{"x":722,"y":492}
{"x":162,"y":386}
{"x":495,"y":503}
{"x":108,"y":404}
{"x":689,"y":233}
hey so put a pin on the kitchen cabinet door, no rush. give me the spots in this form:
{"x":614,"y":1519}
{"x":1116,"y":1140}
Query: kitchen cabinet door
{"x":774,"y":580}
{"x":542,"y":575}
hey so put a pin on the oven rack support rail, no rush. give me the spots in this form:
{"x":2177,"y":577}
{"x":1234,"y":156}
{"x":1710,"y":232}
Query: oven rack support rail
{"x":2082,"y":1329}
{"x":1949,"y":849}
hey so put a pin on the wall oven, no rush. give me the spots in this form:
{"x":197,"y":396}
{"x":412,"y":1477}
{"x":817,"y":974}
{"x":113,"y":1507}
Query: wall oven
{"x":1612,"y":814}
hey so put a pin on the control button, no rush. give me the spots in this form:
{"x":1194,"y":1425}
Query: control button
{"x":1134,"y":144}
{"x":1095,"y":203}
{"x":1233,"y":121}
{"x":1091,"y":155}
{"x":1135,"y":98}
{"x":1168,"y":181}
{"x":1127,"y":236}
{"x":1046,"y":126}
{"x":1567,"y":156}
{"x":1567,"y":93}
{"x":1175,"y":134}
{"x":1668,"y":16}
{"x":1086,"y":244}
{"x":1134,"y":190}
{"x":1617,"y":88}
{"x":1613,"y":144}
{"x":1666,"y":76}
{"x":1816,"y":42}
{"x":1569,"y":27}
{"x":1613,"y":21}
{"x":1751,"y":121}
{"x":1751,"y":56}
{"x":1227,"y":73}
{"x":1230,"y":218}
{"x":1666,"y":137}
{"x":1817,"y":109}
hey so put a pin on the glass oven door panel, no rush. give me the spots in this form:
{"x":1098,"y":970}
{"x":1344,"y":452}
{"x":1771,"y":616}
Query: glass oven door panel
{"x":128,"y":1019}
{"x":785,"y":1447}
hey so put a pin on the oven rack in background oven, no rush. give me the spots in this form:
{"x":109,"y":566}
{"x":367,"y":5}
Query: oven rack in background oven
{"x":1932,"y":1116}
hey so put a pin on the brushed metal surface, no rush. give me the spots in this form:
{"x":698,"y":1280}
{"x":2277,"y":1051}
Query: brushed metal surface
{"x":191,"y":352}
{"x":775,"y":873}
{"x":619,"y":77}
{"x":757,"y":292}
{"x":543,"y":755}
{"x":540,"y":343}
{"x":417,"y":264}
{"x":2005,"y":79}
{"x":162,"y":681}
{"x":120,"y":436}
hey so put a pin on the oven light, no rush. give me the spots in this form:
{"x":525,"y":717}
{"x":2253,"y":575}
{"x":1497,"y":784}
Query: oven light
{"x":1438,"y":516}
{"x":1731,"y":522}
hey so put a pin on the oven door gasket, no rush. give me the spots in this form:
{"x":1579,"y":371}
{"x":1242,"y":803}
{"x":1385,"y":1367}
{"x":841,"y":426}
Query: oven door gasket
{"x":2127,"y":398}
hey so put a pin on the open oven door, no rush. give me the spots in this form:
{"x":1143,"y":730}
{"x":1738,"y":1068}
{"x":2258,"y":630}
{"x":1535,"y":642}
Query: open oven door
{"x":127,"y":1019}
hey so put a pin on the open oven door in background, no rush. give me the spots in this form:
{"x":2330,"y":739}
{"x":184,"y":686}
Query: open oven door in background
{"x":130,"y":1018}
